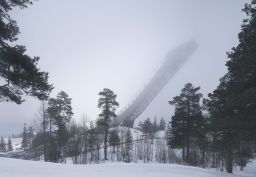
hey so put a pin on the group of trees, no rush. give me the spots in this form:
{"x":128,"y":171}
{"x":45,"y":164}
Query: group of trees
{"x":232,"y":103}
{"x":27,"y":137}
{"x":6,"y":147}
{"x":53,"y":133}
{"x":19,"y":72}
{"x":226,"y":136}
{"x":149,"y":129}
{"x":215,"y":139}
{"x":59,"y":136}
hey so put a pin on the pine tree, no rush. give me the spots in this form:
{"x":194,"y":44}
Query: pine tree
{"x":10,"y":147}
{"x":108,"y":104}
{"x":30,"y":132}
{"x":25,"y":141}
{"x":187,"y":120}
{"x":176,"y":131}
{"x":242,"y":73}
{"x":155,"y":126}
{"x":2,"y":145}
{"x":162,"y":124}
{"x":19,"y":72}
{"x":60,"y":111}
{"x":225,"y":125}
{"x":147,"y":128}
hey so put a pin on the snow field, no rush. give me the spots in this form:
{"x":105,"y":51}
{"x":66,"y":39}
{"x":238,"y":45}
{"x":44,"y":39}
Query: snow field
{"x":22,"y":168}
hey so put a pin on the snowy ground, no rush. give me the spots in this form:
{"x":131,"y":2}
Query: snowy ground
{"x":21,"y":168}
{"x":249,"y":170}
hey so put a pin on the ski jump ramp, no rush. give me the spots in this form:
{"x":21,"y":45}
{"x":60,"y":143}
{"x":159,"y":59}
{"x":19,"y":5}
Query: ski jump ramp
{"x":173,"y":61}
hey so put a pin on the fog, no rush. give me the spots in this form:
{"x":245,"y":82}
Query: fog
{"x":90,"y":45}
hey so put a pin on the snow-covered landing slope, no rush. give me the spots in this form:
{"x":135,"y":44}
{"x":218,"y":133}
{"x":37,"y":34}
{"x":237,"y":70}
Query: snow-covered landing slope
{"x":249,"y":170}
{"x":22,"y":168}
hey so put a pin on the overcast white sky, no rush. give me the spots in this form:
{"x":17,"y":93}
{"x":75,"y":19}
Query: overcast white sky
{"x":89,"y":45}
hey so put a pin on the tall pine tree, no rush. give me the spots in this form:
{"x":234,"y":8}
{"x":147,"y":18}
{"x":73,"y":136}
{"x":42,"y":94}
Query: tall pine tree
{"x":162,"y":124}
{"x":187,"y":120}
{"x":60,"y":111}
{"x":25,"y":141}
{"x":9,"y":145}
{"x":2,"y":145}
{"x":108,"y":104}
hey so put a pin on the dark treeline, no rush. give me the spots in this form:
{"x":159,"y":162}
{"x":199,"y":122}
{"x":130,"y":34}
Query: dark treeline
{"x":206,"y":138}
{"x":226,"y":134}
{"x":232,"y":104}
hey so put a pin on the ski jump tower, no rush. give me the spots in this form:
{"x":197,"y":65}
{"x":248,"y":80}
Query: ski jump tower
{"x":174,"y":60}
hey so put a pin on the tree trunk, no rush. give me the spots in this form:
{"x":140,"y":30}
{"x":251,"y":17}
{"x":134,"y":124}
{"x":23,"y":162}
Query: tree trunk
{"x":188,"y":128}
{"x":105,"y":143}
{"x":188,"y":147}
{"x":229,"y":152}
{"x":44,"y":131}
{"x":229,"y":161}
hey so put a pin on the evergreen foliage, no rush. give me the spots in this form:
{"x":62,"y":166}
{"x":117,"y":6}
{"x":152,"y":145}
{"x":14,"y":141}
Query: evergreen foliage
{"x":9,"y":145}
{"x":19,"y":72}
{"x":187,"y":121}
{"x":147,"y":128}
{"x":232,"y":103}
{"x":2,"y":145}
{"x":108,"y":104}
{"x":162,"y":124}
{"x":60,"y":111}
{"x":221,"y":138}
{"x":25,"y":140}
